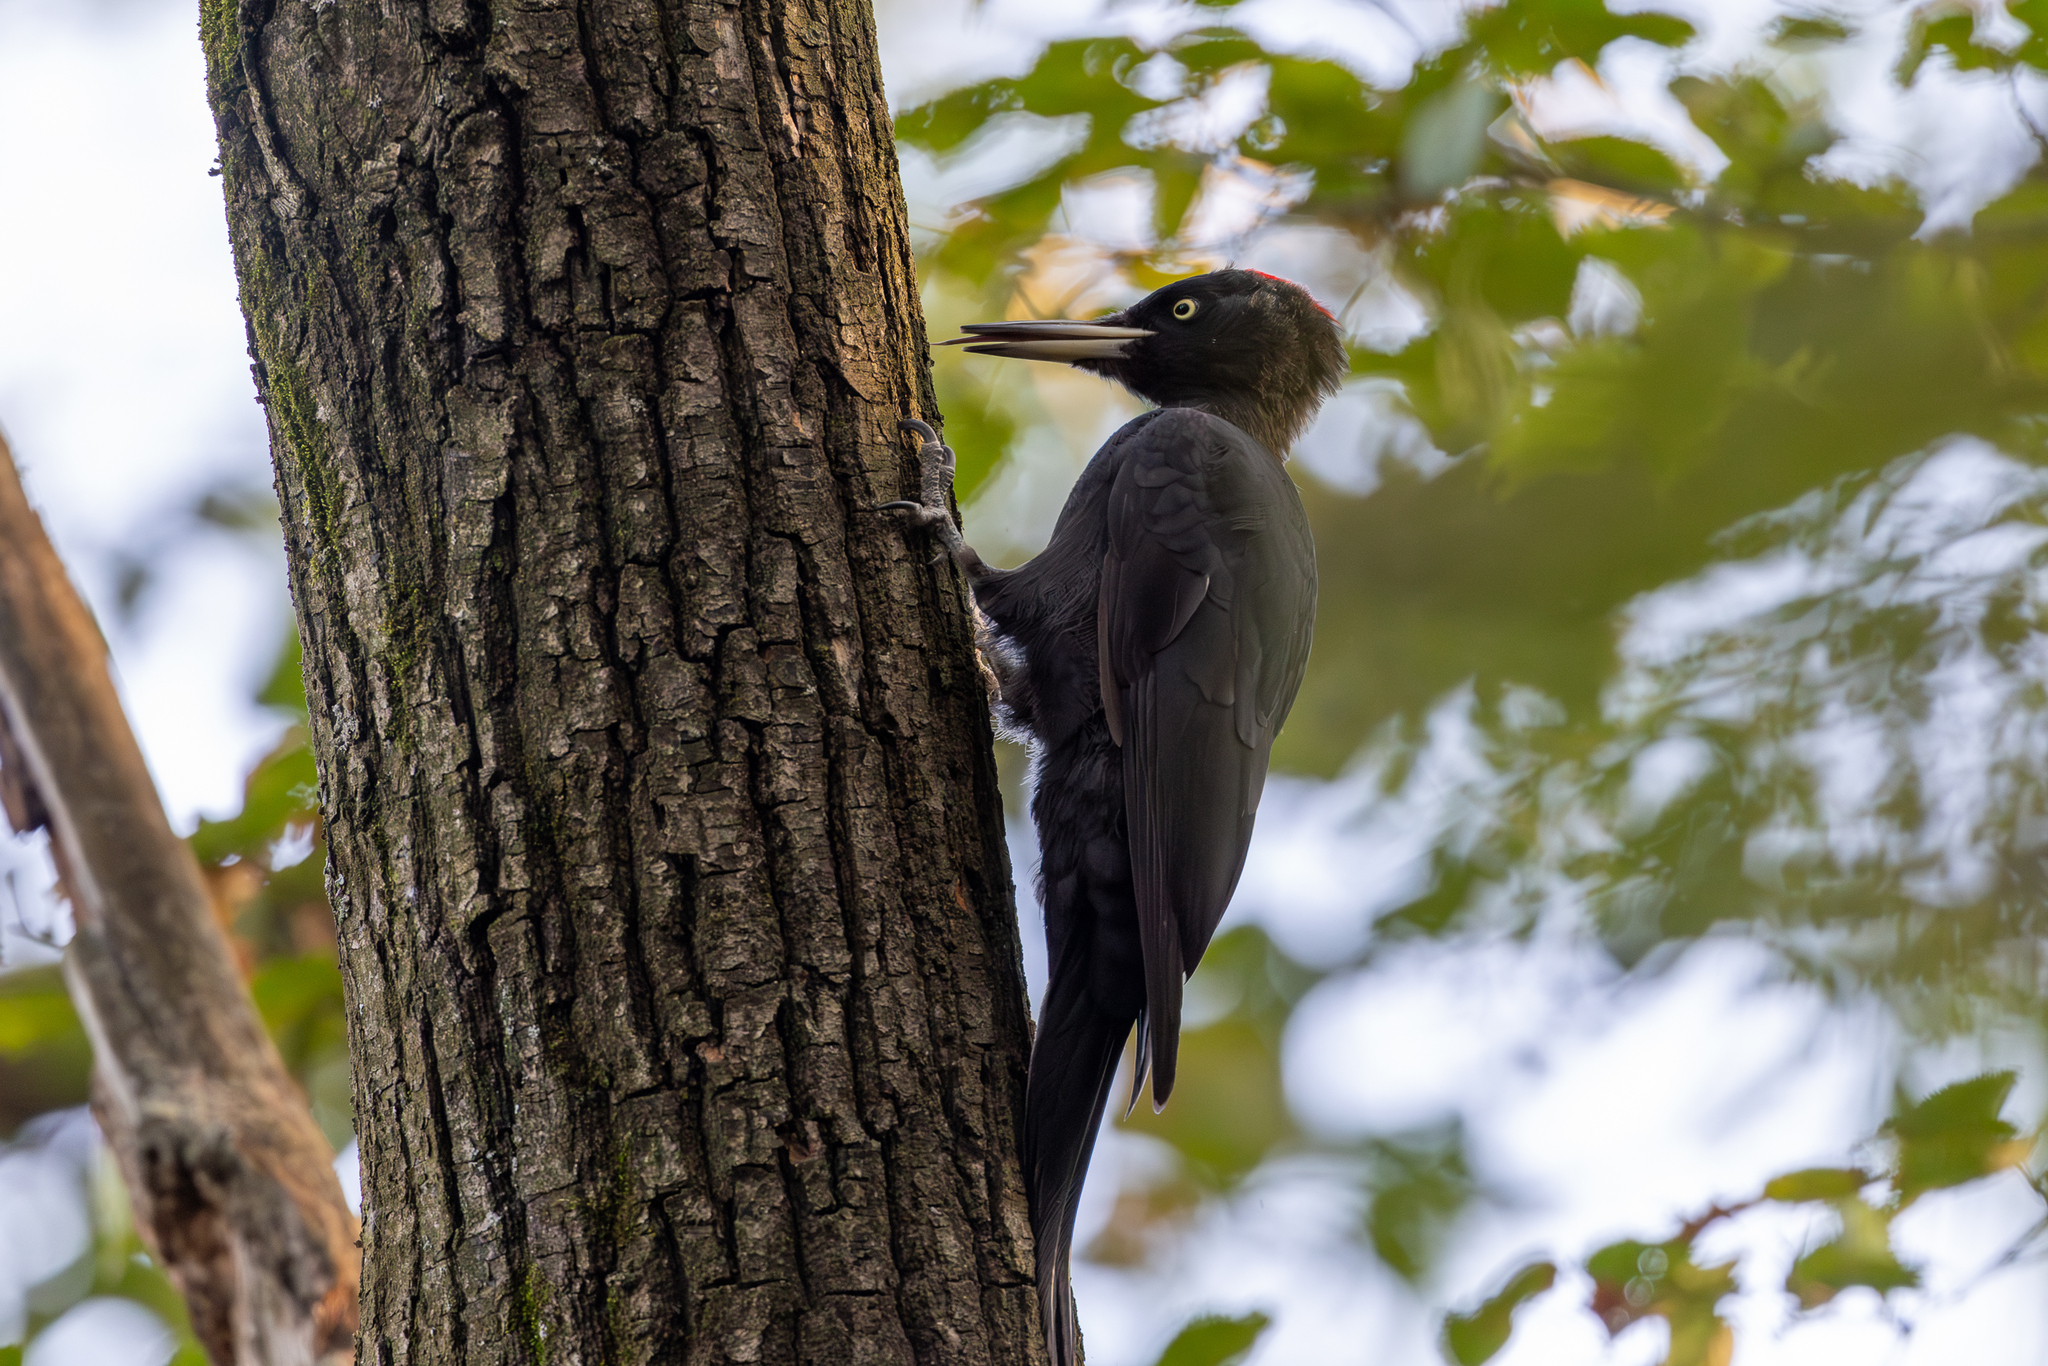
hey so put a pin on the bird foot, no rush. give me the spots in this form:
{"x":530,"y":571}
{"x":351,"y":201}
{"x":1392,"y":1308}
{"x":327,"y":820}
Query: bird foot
{"x":935,"y":480}
{"x":933,"y":509}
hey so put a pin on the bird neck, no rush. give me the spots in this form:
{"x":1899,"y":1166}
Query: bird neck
{"x":1266,"y":421}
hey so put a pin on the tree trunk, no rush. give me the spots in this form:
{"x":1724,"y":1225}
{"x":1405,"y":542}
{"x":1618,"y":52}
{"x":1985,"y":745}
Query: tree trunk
{"x":684,"y":985}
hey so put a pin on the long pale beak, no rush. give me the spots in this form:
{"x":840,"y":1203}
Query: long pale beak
{"x":1061,"y":341}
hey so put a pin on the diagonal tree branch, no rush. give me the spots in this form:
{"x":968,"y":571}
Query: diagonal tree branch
{"x":233,"y":1185}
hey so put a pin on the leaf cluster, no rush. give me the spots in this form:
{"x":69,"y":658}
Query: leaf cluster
{"x":1613,"y":370}
{"x":1948,"y":1139}
{"x":263,"y":866}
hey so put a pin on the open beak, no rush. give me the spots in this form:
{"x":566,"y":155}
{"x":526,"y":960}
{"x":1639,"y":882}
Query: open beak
{"x":1061,"y":341}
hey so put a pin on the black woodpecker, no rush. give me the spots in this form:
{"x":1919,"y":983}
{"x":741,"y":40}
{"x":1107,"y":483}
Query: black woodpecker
{"x":1152,"y":652}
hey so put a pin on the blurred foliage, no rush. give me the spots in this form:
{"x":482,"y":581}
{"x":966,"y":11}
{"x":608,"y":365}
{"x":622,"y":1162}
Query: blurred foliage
{"x":1215,"y":1341}
{"x":1472,"y":1338}
{"x":1228,"y":1111}
{"x":263,"y":867}
{"x":1954,"y":1136}
{"x":44,"y":1055}
{"x":1689,"y":582}
{"x":113,"y":1263}
{"x":1416,"y":1186}
{"x":1634,"y":1280}
{"x":137,"y":558}
{"x":1950,"y":1138}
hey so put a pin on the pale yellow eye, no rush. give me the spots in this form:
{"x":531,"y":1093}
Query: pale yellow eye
{"x":1185,"y":309}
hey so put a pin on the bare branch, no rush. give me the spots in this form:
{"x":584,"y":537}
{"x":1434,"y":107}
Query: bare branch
{"x":233,"y":1185}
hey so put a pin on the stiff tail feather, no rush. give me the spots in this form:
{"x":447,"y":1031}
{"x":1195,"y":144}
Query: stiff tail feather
{"x":1073,"y":1066}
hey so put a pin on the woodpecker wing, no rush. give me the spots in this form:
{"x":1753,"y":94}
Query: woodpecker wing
{"x":1202,"y":630}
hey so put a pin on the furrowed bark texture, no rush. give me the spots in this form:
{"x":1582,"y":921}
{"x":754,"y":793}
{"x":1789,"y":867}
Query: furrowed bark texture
{"x":232,"y":1184}
{"x":685,"y":991}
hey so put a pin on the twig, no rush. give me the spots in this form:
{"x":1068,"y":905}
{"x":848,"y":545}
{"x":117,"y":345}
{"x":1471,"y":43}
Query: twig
{"x":47,"y":938}
{"x":1694,"y":1227}
{"x":2012,"y":85}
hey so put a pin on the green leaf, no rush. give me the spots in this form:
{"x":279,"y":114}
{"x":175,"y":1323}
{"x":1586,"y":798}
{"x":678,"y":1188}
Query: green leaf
{"x":285,"y":688}
{"x":975,"y":401}
{"x":1768,"y":143}
{"x":1417,"y":1189}
{"x":2034,"y":14}
{"x":45,"y":1059}
{"x":1809,"y":30}
{"x":1955,"y":1136}
{"x":1621,"y":164}
{"x":292,"y":993}
{"x":1228,"y":1109}
{"x":300,"y":1000}
{"x":1817,"y":1183}
{"x":1215,"y":1341}
{"x":129,"y":1272}
{"x":1946,"y":26}
{"x":1450,"y":888}
{"x":250,"y":508}
{"x":943,"y":124}
{"x":1501,"y":254}
{"x":1470,"y":1339}
{"x":35,"y":1010}
{"x":1530,"y":37}
{"x":280,"y":792}
{"x":1633,"y":1280}
{"x":1446,"y":138}
{"x":1665,"y":397}
{"x":1618,"y":1263}
{"x":1860,"y":1255}
{"x":1328,"y":121}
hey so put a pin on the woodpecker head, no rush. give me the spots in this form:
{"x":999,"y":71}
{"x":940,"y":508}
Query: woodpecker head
{"x":1251,"y":348}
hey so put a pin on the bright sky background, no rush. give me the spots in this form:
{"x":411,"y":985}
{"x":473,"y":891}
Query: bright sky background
{"x":1603,"y":1106}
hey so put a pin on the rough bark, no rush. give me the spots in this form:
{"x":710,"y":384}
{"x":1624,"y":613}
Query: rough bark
{"x":684,"y":986}
{"x":232,"y":1184}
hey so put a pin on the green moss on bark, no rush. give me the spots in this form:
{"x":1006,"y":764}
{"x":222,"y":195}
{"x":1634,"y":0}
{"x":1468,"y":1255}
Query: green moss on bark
{"x":220,"y":35}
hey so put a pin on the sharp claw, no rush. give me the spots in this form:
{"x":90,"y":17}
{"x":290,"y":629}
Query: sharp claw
{"x":917,"y":514}
{"x":936,"y":463}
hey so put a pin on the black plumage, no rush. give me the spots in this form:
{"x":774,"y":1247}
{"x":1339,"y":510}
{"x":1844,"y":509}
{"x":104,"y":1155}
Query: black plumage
{"x":1151,"y":652}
